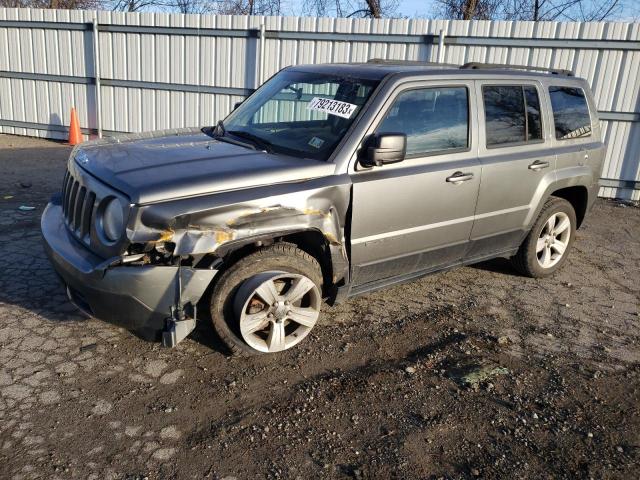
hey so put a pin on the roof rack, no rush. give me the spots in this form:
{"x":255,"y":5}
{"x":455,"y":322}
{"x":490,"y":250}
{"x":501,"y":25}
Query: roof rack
{"x":488,"y":66}
{"x":383,"y":61}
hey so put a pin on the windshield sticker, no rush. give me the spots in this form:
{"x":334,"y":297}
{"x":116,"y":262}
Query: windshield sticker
{"x":332,"y":107}
{"x":316,"y":142}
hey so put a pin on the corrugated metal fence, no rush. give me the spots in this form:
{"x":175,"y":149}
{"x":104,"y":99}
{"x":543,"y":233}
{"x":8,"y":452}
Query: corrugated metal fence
{"x":159,"y":70}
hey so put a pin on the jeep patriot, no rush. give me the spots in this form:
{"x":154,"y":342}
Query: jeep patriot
{"x":329,"y":181}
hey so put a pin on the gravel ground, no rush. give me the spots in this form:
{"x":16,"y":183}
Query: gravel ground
{"x":477,"y":372}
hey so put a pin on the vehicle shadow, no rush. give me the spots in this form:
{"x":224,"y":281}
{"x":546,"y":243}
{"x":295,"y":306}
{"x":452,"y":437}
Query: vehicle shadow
{"x":27,"y":280}
{"x":205,"y":335}
{"x":28,"y":178}
{"x":497,"y":265}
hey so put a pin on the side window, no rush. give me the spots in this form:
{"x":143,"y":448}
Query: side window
{"x":512,"y":114}
{"x":534,"y":122}
{"x":570,"y":112}
{"x":504,"y":114}
{"x":434,"y":119}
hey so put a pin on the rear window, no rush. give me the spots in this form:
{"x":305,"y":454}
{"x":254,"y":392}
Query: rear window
{"x":570,"y":112}
{"x":512,"y":114}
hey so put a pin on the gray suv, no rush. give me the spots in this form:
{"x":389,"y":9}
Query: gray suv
{"x":328,"y":182}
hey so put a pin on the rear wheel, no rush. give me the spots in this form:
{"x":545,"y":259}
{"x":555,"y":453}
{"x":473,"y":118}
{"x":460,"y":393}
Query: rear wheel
{"x":546,"y":247}
{"x":268,"y":301}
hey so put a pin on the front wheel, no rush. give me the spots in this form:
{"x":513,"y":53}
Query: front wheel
{"x":546,"y":247}
{"x":268,"y":301}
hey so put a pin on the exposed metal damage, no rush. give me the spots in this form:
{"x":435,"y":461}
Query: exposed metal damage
{"x":207,"y":230}
{"x":198,"y":241}
{"x":212,"y":231}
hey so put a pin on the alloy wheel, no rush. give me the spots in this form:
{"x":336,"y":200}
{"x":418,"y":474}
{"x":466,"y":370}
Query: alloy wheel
{"x":553,"y":239}
{"x":276,"y":310}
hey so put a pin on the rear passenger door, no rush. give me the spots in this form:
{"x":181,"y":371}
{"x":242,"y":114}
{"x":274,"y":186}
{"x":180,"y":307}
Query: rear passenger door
{"x":517,"y":159}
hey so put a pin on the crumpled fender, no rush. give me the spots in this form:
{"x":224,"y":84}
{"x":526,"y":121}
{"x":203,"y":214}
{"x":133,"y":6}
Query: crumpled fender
{"x":204,"y":225}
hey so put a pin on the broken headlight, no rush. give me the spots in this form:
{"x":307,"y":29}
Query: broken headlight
{"x":111,"y":220}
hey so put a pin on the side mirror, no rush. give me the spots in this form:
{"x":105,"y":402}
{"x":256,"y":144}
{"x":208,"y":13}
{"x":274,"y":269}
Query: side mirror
{"x":386,"y":148}
{"x":237,"y":104}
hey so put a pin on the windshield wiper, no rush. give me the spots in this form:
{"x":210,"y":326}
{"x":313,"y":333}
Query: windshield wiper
{"x":257,"y":141}
{"x":220,"y":133}
{"x":217,"y":131}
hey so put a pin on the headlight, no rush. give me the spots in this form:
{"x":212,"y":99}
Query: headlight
{"x":112,"y":220}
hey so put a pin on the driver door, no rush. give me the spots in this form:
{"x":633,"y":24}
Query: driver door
{"x":416,"y":215}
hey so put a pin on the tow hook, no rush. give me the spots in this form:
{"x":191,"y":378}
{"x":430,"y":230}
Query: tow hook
{"x":178,"y":326}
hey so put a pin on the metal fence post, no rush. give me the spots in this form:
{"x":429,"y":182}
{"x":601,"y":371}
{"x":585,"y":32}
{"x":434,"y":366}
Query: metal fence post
{"x":441,"y":47}
{"x":263,"y":41}
{"x":96,"y":74}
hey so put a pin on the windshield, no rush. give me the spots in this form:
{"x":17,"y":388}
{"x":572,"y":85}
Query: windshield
{"x":300,"y":114}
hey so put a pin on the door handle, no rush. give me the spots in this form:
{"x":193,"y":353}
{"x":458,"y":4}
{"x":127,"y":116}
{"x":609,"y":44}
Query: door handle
{"x":459,"y":177}
{"x":538,"y":165}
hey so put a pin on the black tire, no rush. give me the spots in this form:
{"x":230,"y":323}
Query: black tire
{"x":526,"y":260}
{"x":279,"y":257}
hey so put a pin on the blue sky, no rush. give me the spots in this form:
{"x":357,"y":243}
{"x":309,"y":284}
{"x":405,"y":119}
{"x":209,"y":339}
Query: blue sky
{"x":415,"y":8}
{"x":406,"y":8}
{"x":629,"y":11}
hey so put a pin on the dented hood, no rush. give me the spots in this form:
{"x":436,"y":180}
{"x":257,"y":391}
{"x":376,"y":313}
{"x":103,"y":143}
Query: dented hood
{"x":156,"y":166}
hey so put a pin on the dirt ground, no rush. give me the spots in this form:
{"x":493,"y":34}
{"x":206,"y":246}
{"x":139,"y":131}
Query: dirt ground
{"x":477,"y":372}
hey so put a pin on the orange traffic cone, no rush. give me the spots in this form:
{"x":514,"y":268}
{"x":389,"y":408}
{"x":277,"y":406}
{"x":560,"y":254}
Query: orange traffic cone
{"x":75,"y":136}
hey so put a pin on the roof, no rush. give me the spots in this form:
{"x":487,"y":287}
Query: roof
{"x":378,"y":69}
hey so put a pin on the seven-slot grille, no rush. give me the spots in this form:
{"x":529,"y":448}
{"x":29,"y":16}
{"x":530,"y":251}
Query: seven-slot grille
{"x":77,"y":206}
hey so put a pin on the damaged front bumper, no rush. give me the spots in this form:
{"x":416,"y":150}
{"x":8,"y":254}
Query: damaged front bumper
{"x":141,"y":298}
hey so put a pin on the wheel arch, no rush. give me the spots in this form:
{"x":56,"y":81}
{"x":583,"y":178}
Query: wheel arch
{"x":578,"y":197}
{"x":331,"y":256}
{"x":575,"y":184}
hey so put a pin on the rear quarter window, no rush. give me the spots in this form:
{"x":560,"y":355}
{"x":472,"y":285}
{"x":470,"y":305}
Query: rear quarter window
{"x":570,"y":112}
